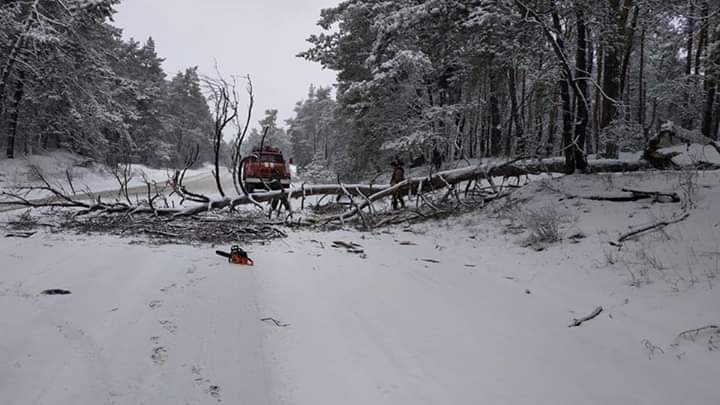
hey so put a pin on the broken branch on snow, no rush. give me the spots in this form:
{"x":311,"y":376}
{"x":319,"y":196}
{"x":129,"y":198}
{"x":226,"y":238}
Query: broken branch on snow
{"x":579,"y":321}
{"x":647,"y":228}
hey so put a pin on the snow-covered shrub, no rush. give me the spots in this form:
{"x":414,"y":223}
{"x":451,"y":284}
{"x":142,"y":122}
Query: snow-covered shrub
{"x":543,"y":225}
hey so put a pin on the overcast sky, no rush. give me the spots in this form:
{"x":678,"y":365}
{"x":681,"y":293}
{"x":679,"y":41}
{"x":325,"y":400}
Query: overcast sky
{"x":259,"y":37}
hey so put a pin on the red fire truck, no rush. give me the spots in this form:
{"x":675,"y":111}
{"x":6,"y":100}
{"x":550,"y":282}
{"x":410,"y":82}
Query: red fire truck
{"x":265,"y":170}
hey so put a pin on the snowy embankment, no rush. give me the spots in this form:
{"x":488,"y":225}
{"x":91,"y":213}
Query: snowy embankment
{"x":461,"y":311}
{"x":85,"y":174}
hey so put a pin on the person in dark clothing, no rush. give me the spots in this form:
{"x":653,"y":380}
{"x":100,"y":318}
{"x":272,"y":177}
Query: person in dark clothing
{"x":398,"y":175}
{"x":436,"y":158}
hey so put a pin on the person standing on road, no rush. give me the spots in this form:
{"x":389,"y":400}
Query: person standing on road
{"x":398,"y":175}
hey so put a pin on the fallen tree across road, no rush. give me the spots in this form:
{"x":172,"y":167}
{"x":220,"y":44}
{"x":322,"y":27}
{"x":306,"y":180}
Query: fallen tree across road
{"x":155,"y":202}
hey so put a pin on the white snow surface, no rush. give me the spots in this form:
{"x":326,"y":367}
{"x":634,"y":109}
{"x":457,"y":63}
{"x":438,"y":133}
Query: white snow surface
{"x":86,"y":175}
{"x":456,"y":311}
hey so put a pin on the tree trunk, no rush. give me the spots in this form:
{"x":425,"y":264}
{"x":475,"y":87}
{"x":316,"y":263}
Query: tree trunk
{"x":703,"y":37}
{"x":707,"y":124}
{"x":519,"y":133}
{"x":216,"y":151}
{"x":552,"y":128}
{"x":597,"y":111}
{"x":525,"y":107}
{"x":15,"y":51}
{"x":612,"y":64}
{"x":687,"y":120}
{"x":629,"y":43}
{"x":641,"y":81}
{"x":611,"y":86}
{"x":712,"y":77}
{"x":581,"y":97}
{"x":567,"y":126}
{"x":690,"y":34}
{"x":589,"y":149}
{"x":567,"y":111}
{"x":495,"y":131}
{"x":14,"y":115}
{"x":716,"y":128}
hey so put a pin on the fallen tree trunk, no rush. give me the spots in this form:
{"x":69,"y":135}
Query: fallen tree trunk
{"x":368,"y":192}
{"x":450,"y":178}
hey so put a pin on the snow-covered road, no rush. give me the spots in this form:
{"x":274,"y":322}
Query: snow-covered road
{"x":143,"y":325}
{"x":438,"y":316}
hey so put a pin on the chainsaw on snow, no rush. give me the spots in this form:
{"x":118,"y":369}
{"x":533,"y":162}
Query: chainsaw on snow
{"x":236,"y":256}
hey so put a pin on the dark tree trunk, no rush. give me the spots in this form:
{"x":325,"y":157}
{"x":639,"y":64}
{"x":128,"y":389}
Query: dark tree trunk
{"x":687,"y":120}
{"x":629,"y":43}
{"x":716,"y":127}
{"x":519,"y":133}
{"x":597,"y":111}
{"x":14,"y":115}
{"x":612,"y":64}
{"x":707,"y":123}
{"x":581,"y":97}
{"x":641,"y":81}
{"x":591,"y":112}
{"x":552,"y":128}
{"x":568,"y":144}
{"x":525,"y":113}
{"x":495,"y":130}
{"x":611,"y":86}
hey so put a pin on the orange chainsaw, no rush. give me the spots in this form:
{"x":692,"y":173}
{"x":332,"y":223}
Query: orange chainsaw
{"x":236,"y":256}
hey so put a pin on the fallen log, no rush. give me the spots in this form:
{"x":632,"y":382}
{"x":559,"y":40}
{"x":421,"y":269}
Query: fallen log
{"x":686,"y":135}
{"x":628,"y":195}
{"x":657,"y":196}
{"x":24,"y":235}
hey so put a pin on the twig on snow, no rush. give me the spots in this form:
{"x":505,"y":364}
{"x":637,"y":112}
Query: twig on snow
{"x":275,"y":321}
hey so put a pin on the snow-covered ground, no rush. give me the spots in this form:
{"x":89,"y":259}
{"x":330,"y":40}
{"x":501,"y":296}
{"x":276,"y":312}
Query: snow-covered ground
{"x":458,"y":311}
{"x":85,"y":174}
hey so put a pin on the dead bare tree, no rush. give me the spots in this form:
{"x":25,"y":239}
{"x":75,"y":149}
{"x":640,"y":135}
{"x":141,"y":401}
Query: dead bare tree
{"x":223,"y":96}
{"x":240,"y":137}
{"x":123,"y":173}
